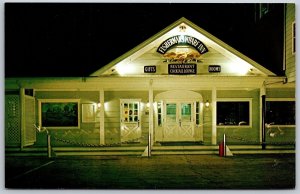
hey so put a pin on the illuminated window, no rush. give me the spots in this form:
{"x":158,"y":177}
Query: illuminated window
{"x":197,"y":113}
{"x":159,"y":114}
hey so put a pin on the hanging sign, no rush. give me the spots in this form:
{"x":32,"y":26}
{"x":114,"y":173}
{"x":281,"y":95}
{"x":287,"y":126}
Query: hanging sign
{"x":182,"y":40}
{"x":214,"y":68}
{"x":182,"y":69}
{"x":149,"y":69}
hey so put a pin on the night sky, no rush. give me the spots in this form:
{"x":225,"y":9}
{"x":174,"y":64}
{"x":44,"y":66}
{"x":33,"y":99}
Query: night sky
{"x":76,"y":39}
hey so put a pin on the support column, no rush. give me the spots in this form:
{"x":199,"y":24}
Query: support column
{"x":102,"y":132}
{"x":151,"y":120}
{"x":262,"y":114}
{"x":214,"y":116}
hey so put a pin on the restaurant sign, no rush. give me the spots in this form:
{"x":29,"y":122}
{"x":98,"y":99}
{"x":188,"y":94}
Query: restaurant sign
{"x":182,"y":40}
{"x":182,"y":69}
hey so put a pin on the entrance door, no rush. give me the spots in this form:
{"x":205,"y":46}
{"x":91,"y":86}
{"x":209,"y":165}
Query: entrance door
{"x":130,"y":120}
{"x":179,"y":124}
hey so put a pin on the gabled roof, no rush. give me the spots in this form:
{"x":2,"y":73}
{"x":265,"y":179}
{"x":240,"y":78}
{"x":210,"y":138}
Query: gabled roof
{"x":219,"y":53}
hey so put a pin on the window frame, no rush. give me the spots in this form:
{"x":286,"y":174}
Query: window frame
{"x":282,"y":100}
{"x":235,"y":100}
{"x":40,"y":101}
{"x":293,"y":37}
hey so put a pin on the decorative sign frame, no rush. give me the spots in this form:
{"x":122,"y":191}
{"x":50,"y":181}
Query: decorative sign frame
{"x":182,"y":40}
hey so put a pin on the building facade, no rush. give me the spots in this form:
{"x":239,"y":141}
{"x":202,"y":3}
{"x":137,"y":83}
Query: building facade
{"x":181,"y":85}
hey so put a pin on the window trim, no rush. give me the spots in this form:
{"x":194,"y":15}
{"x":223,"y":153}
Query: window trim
{"x":282,"y":99}
{"x":42,"y":100}
{"x":293,"y":38}
{"x":236,"y":100}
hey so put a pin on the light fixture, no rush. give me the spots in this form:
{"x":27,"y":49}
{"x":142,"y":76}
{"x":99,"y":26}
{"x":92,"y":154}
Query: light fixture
{"x":148,"y":105}
{"x":98,"y":104}
{"x":207,"y":104}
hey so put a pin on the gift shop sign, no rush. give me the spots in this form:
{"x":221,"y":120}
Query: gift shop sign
{"x":182,"y":40}
{"x":182,"y":69}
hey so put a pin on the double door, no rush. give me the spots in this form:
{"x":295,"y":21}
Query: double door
{"x":179,"y":121}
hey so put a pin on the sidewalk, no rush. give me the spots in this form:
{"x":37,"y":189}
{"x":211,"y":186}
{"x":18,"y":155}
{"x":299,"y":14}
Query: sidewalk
{"x":158,"y":172}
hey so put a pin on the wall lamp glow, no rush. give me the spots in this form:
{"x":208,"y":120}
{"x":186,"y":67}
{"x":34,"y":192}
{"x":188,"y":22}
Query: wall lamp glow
{"x":98,"y":104}
{"x":207,"y":104}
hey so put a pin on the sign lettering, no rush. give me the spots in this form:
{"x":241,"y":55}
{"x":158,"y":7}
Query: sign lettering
{"x":149,"y":69}
{"x":214,"y":68}
{"x":182,"y":40}
{"x":182,"y":69}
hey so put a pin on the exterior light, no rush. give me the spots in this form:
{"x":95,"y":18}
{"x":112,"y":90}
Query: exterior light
{"x":207,"y":104}
{"x":148,"y":105}
{"x":98,"y":104}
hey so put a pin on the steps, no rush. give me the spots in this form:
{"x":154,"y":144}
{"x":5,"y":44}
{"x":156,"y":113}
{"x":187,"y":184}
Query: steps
{"x":138,"y":150}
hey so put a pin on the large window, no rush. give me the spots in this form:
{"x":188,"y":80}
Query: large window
{"x":280,"y":112}
{"x":234,"y":113}
{"x":59,"y":113}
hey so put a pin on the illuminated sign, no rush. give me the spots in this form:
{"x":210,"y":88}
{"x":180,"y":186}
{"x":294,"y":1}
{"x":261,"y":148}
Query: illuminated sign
{"x":214,"y":68}
{"x":149,"y":69}
{"x":182,"y":69}
{"x":182,"y":40}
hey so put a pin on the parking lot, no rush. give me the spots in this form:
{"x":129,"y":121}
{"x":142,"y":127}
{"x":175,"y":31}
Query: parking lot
{"x":158,"y":172}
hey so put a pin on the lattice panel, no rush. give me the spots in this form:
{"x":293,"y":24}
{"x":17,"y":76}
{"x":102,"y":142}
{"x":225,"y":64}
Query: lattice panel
{"x":30,"y":132}
{"x":12,"y":120}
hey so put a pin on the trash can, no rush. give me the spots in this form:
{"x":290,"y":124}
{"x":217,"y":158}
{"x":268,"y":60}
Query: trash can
{"x":221,"y":149}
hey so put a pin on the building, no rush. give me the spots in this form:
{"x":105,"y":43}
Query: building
{"x":181,"y":85}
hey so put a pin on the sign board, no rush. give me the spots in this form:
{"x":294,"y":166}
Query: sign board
{"x":149,"y":69}
{"x":182,"y":40}
{"x":214,"y":68}
{"x":182,"y":69}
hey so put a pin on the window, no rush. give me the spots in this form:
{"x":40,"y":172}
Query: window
{"x":59,"y":113}
{"x":171,"y":112}
{"x":197,"y":113}
{"x":130,"y":112}
{"x":159,"y":113}
{"x":280,"y":112}
{"x":234,"y":113}
{"x":294,"y":37}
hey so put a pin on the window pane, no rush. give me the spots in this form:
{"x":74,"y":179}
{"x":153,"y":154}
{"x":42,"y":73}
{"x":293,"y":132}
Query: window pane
{"x":233,"y":113}
{"x":280,"y":112}
{"x":171,"y":112}
{"x":186,"y":112}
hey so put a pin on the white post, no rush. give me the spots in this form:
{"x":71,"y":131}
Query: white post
{"x":102,"y":132}
{"x":151,"y":121}
{"x":214,"y":116}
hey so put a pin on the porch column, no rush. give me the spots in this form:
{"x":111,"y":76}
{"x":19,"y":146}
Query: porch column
{"x":151,"y":121}
{"x":262,"y":103}
{"x":214,"y":116}
{"x":102,"y":133}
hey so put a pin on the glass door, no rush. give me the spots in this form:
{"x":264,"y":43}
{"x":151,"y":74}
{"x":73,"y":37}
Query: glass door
{"x":178,"y":125}
{"x":130,"y":120}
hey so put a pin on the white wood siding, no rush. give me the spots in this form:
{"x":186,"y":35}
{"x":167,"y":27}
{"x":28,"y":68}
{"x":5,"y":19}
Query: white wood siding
{"x":289,"y":55}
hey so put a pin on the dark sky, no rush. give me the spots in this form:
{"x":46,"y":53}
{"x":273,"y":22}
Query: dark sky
{"x":76,"y":39}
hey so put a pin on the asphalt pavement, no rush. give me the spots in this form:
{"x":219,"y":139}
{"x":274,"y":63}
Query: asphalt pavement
{"x":199,"y":172}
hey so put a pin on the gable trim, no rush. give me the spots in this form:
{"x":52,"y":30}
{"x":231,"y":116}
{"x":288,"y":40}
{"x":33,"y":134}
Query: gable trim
{"x":195,"y":27}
